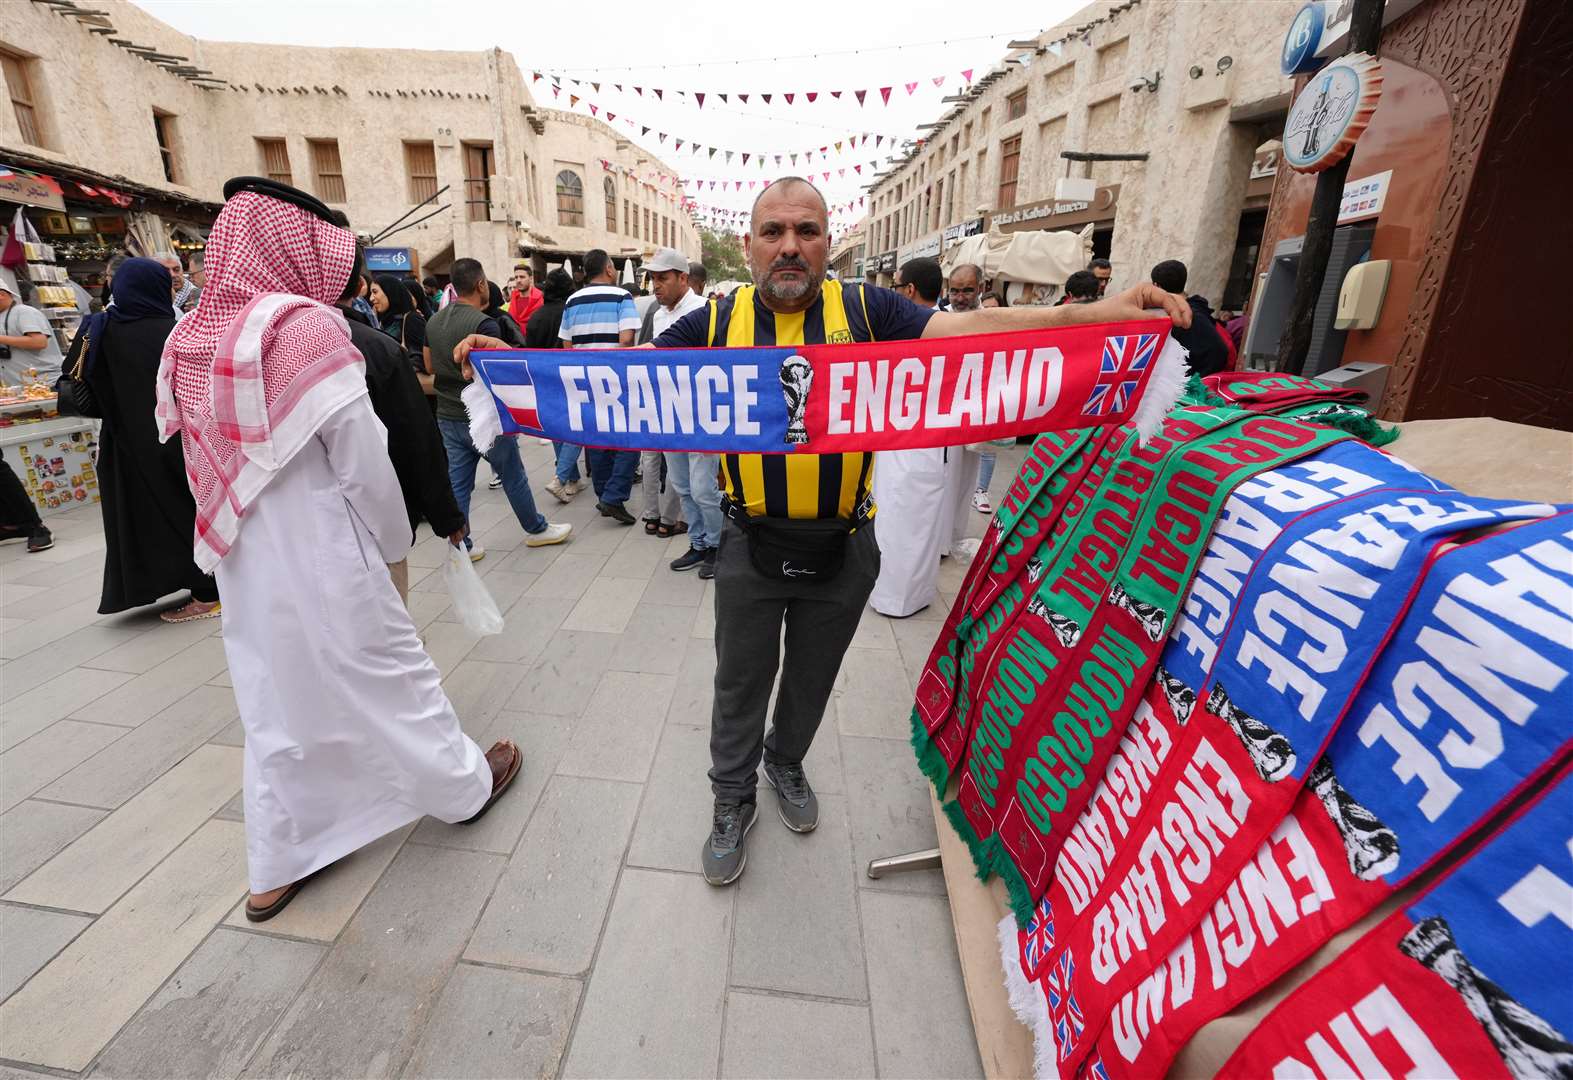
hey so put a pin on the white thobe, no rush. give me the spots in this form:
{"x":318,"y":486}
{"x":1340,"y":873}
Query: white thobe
{"x":348,"y":732}
{"x":961,"y":480}
{"x":909,"y":494}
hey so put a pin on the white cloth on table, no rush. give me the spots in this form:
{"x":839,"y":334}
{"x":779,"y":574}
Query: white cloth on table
{"x":348,"y":732}
{"x":910,"y":498}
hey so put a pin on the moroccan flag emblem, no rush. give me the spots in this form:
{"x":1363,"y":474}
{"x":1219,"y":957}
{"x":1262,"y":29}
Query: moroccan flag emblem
{"x":1124,"y":358}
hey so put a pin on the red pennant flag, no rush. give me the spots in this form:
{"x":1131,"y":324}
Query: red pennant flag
{"x":537,"y":75}
{"x":743,"y":98}
{"x":884,"y":93}
{"x":878,"y":139}
{"x":858,"y":169}
{"x":745,"y":159}
{"x":639,"y":90}
{"x":836,"y":94}
{"x":737,"y":185}
{"x":911,"y":86}
{"x":860,"y":94}
{"x":966,"y":76}
{"x":679,"y":145}
{"x":594,"y":109}
{"x":788,"y":97}
{"x":701,"y":99}
{"x":811,"y":96}
{"x":610,"y":117}
{"x":556,"y":90}
{"x":766,"y":98}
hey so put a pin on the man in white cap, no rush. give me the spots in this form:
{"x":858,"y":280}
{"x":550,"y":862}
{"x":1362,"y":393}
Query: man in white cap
{"x":26,"y":334}
{"x":692,"y":476}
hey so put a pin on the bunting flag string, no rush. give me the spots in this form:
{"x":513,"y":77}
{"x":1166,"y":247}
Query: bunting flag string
{"x":697,"y":97}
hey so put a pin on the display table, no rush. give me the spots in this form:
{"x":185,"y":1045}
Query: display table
{"x":56,"y":459}
{"x":1479,"y":456}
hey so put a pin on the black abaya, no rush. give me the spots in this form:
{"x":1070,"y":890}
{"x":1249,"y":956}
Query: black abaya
{"x":149,"y":515}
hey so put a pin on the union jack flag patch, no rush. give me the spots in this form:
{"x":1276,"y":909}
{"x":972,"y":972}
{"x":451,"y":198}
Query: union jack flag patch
{"x":1120,"y":367}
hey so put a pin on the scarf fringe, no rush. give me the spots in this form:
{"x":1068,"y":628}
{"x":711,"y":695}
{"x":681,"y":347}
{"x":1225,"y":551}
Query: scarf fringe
{"x":1163,"y":391}
{"x":485,"y":425}
{"x":1027,"y":1001}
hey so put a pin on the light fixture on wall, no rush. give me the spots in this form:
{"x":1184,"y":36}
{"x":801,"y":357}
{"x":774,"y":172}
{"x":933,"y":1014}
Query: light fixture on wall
{"x":1142,"y":82}
{"x":1225,"y":63}
{"x":1196,"y":71}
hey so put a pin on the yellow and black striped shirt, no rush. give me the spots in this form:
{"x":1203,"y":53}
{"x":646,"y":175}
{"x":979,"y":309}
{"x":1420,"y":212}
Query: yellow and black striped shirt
{"x":801,"y":485}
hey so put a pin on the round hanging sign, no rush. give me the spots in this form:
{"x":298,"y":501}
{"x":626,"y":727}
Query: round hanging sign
{"x":1334,"y":108}
{"x":1303,"y":39}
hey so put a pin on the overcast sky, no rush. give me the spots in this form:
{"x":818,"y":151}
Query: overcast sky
{"x":752,"y":48}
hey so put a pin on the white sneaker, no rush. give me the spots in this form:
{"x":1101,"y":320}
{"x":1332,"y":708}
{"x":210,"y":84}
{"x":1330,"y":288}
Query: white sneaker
{"x":494,"y":483}
{"x":980,"y":502}
{"x":573,"y":487}
{"x":559,"y":491}
{"x":477,"y":553}
{"x":552,"y":534}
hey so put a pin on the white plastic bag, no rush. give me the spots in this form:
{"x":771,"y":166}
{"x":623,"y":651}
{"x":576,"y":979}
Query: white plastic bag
{"x":476,"y":608}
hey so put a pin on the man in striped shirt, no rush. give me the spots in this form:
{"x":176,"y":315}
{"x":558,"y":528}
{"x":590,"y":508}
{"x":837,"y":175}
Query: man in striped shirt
{"x":602,"y":316}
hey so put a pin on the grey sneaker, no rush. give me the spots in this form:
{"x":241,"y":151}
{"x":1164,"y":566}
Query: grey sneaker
{"x":724,"y":856}
{"x":794,"y":798}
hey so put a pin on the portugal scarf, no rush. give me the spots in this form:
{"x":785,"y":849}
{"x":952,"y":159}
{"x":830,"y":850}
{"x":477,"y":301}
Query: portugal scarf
{"x":826,"y":399}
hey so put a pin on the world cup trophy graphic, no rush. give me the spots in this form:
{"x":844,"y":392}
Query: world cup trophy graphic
{"x":797,"y":376}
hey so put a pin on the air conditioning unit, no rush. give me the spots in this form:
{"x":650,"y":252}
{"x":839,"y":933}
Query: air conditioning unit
{"x":1075,"y":189}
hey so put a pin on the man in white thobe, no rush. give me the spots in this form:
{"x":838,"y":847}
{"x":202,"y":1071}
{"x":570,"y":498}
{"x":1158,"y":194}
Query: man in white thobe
{"x":348,"y":732}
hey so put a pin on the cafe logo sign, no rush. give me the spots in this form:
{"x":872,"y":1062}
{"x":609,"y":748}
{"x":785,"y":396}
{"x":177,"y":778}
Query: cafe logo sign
{"x":1331,"y":112}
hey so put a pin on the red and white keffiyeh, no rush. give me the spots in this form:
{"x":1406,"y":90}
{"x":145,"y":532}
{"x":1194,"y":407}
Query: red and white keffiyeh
{"x":249,"y":376}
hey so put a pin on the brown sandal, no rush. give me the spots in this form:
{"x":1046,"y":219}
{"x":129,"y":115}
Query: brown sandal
{"x":653,"y":528}
{"x":263,"y":914}
{"x":500,"y":786}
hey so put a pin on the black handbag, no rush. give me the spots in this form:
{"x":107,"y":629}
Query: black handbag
{"x":74,"y":396}
{"x":811,"y":550}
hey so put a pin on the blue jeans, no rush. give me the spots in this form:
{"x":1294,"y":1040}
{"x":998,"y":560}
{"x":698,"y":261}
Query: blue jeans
{"x":567,"y":462}
{"x":504,"y":460}
{"x":612,"y":473}
{"x":693,"y":477}
{"x":986,"y":470}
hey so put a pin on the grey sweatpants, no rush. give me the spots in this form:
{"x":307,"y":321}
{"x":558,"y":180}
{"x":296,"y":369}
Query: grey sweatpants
{"x":749,"y":612}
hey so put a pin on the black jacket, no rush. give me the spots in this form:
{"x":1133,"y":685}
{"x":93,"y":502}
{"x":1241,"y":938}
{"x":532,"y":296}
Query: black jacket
{"x":544,"y":325}
{"x":1208,"y":353}
{"x":414,"y":444}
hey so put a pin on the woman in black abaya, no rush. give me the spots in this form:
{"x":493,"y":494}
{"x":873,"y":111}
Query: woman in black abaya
{"x":149,"y":515}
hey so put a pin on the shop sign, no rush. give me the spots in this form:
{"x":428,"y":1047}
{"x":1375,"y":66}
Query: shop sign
{"x":965,"y":229}
{"x":1365,"y":197}
{"x":1265,"y":164}
{"x":887,"y":261}
{"x":1331,"y":112}
{"x":388,"y":260}
{"x":1050,"y":214}
{"x":1305,"y":37}
{"x":928,"y":247}
{"x":30,"y":190}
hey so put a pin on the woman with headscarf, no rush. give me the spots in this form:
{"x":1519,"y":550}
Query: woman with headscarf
{"x":147,"y":507}
{"x":400,"y":319}
{"x":512,"y":332}
{"x":418,"y":297}
{"x":348,"y":732}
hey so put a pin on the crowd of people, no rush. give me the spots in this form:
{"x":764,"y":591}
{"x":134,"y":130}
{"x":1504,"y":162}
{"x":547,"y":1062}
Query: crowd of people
{"x":319,"y":420}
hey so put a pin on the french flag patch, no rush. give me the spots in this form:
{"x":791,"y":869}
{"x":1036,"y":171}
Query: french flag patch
{"x":513,"y":387}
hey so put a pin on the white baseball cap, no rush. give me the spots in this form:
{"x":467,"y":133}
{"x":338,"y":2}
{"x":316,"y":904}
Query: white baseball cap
{"x":666,"y":259}
{"x":8,"y":281}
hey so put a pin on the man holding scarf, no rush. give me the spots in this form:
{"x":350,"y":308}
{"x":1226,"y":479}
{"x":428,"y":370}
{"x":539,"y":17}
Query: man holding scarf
{"x":794,"y":496}
{"x":348,"y":732}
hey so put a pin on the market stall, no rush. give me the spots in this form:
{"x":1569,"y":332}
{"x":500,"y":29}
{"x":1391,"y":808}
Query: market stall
{"x":1185,"y":1009}
{"x":1027,"y":267}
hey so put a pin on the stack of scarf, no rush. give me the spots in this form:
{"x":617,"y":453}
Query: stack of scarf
{"x":1138,"y":698}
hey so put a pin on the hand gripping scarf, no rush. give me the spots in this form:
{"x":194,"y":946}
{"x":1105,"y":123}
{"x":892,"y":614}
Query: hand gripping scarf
{"x":250,"y":376}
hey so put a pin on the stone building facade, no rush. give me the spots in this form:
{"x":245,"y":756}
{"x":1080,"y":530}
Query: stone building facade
{"x":1195,"y":86}
{"x":112,"y":90}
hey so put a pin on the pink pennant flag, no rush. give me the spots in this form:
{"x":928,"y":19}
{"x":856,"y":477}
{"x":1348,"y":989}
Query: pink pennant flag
{"x":884,"y":93}
{"x":911,"y":86}
{"x":811,"y":95}
{"x":610,"y":117}
{"x":859,"y":94}
{"x":788,"y":98}
{"x":966,"y":76}
{"x":737,"y":185}
{"x":766,"y":98}
{"x":858,"y":169}
{"x":743,"y":98}
{"x":701,"y":99}
{"x":556,"y":90}
{"x":836,"y":94}
{"x":751,"y":184}
{"x":594,"y":109}
{"x":825,"y":177}
{"x":939,"y":80}
{"x":841,"y":172}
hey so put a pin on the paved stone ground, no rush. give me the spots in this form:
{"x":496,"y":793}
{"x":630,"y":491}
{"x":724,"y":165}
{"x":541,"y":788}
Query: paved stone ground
{"x":569,"y":934}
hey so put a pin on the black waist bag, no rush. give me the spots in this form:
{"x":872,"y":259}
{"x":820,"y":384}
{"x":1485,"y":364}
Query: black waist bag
{"x":796,"y":549}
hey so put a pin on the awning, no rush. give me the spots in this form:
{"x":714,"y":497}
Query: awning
{"x":1042,"y":258}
